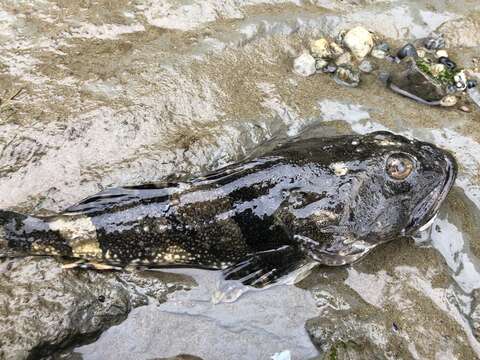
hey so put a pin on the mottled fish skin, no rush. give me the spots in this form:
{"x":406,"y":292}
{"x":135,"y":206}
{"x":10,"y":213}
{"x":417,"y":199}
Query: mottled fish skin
{"x":327,"y":199}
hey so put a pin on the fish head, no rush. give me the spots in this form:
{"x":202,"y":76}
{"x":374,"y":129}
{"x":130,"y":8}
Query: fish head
{"x":400,"y":185}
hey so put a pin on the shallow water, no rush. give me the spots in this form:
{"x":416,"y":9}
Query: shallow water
{"x":116,"y":93}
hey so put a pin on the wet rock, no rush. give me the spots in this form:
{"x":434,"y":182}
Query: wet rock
{"x":359,"y":41}
{"x":407,"y":50}
{"x":354,"y":350}
{"x":434,"y":43}
{"x":462,"y":32}
{"x":45,"y":308}
{"x":387,"y":309}
{"x":330,"y":69}
{"x":304,"y":65}
{"x":451,"y":89}
{"x":447,"y":62}
{"x":346,"y":76}
{"x":474,"y":95}
{"x":365,"y":66}
{"x":415,"y":84}
{"x":380,"y":51}
{"x":471,"y":83}
{"x":460,"y":80}
{"x":320,"y":48}
{"x":392,"y":59}
{"x":475,"y":314}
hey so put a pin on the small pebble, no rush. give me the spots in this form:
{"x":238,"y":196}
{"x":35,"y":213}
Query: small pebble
{"x":320,"y":64}
{"x":460,"y":80}
{"x":465,"y":108}
{"x":392,"y":59}
{"x":379,"y":54}
{"x":449,"y":100}
{"x":383,"y":46}
{"x":407,"y":50}
{"x":441,"y":53}
{"x":447,"y":62}
{"x":451,"y":89}
{"x":380,"y":51}
{"x":329,"y":68}
{"x":471,"y":83}
{"x":366,"y":66}
{"x":304,"y":65}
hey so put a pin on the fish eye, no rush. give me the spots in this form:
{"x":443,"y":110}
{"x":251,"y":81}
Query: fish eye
{"x":399,"y":166}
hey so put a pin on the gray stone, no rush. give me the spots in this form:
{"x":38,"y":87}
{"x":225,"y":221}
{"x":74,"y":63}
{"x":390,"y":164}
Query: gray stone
{"x":413,"y":83}
{"x":366,"y":66}
{"x":304,"y":65}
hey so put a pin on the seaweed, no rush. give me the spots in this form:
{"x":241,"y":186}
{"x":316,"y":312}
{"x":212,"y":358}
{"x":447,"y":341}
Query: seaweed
{"x":446,"y":77}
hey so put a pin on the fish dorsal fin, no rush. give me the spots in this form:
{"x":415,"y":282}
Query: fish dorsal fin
{"x":124,"y":197}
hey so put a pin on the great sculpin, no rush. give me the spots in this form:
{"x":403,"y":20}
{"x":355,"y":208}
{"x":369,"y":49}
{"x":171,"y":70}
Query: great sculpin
{"x":326,"y":200}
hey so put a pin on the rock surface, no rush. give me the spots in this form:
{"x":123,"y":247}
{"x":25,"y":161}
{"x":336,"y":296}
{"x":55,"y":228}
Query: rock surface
{"x":45,"y":308}
{"x":380,"y":319}
{"x":461,"y":32}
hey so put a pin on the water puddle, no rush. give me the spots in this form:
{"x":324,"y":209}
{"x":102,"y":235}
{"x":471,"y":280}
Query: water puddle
{"x":258,"y":325}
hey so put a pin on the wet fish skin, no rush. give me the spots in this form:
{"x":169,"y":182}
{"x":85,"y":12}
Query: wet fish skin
{"x":330,"y":200}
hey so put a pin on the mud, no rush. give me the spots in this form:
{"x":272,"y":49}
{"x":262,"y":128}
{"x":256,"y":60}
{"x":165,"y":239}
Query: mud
{"x":98,"y":94}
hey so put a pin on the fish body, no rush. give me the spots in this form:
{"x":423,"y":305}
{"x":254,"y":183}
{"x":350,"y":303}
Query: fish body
{"x":330,"y":200}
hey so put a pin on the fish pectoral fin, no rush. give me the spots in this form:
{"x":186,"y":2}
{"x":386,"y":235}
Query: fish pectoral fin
{"x":265,"y":267}
{"x":73,"y":265}
{"x":83,"y":264}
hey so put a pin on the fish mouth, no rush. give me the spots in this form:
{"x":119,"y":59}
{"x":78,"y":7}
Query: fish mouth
{"x":425,"y":212}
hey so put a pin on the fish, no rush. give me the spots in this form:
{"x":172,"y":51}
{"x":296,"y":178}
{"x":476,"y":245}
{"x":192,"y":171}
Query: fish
{"x":318,"y":200}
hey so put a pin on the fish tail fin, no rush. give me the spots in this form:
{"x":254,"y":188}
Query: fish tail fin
{"x":13,"y":241}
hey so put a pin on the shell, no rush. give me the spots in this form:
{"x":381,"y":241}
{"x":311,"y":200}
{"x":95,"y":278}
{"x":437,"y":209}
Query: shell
{"x":449,"y":100}
{"x":346,"y":76}
{"x":320,"y":48}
